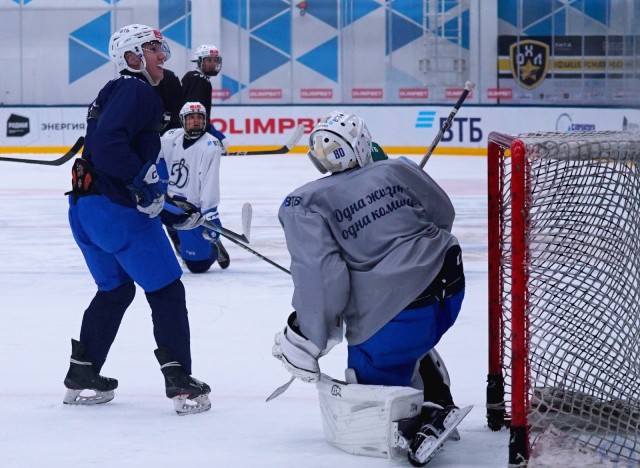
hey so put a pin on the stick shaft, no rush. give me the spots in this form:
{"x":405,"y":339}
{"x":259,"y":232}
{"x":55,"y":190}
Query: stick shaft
{"x":259,"y":255}
{"x":240,"y":240}
{"x":469,"y":85}
{"x":293,"y":141}
{"x":56,"y":162}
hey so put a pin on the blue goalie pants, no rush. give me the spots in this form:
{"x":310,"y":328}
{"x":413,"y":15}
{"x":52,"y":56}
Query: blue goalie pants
{"x":121,"y":246}
{"x":390,"y":356}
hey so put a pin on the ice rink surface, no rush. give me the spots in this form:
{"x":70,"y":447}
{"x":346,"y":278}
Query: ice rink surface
{"x":234,"y":315}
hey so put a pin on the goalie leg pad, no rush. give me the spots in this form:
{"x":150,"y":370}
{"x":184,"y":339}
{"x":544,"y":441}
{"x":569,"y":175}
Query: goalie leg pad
{"x":363,"y":419}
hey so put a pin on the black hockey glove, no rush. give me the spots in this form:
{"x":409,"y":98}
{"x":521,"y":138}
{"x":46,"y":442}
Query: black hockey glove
{"x":190,"y":219}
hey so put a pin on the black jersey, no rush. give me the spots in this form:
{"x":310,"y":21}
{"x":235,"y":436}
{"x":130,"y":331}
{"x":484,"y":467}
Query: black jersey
{"x":197,"y":88}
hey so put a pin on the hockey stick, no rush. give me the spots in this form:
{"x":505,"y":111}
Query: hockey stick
{"x":293,"y":141}
{"x":280,"y":390}
{"x":247,"y":215}
{"x":240,"y":240}
{"x":468,"y":86}
{"x":259,"y":255}
{"x":56,"y":162}
{"x":173,"y":208}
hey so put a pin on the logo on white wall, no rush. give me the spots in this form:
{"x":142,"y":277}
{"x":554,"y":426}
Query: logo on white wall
{"x":565,"y":124}
{"x":425,"y":119}
{"x":17,"y":126}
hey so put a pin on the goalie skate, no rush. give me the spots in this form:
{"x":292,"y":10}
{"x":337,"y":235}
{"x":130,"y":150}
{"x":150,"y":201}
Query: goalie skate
{"x":432,"y":436}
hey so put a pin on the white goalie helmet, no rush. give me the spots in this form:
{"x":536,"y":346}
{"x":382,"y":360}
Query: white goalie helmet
{"x":206,"y":50}
{"x":130,"y":39}
{"x":193,"y":108}
{"x":339,"y":142}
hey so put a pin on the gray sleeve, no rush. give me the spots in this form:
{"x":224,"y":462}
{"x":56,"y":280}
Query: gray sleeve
{"x":320,"y":275}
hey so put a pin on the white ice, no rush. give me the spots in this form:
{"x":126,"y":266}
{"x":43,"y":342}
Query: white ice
{"x":45,"y":287}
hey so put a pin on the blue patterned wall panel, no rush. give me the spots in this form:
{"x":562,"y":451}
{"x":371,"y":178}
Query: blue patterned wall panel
{"x":323,"y":59}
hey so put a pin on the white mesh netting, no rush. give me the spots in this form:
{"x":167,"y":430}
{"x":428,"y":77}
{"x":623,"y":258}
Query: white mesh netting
{"x":583,"y":289}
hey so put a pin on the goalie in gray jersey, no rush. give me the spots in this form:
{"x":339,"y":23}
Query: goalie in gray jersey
{"x":371,"y":248}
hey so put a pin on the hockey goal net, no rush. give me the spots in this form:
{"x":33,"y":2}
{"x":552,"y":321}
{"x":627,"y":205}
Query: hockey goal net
{"x":564,"y":290}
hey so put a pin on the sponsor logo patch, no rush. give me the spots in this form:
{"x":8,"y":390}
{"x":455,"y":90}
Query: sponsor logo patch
{"x":17,"y":126}
{"x":529,"y":62}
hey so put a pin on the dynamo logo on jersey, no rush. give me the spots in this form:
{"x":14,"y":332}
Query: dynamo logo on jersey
{"x":425,"y":119}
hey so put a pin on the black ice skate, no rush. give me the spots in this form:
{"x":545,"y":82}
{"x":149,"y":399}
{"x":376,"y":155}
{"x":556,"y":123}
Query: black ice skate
{"x":439,"y":423}
{"x":189,"y":395}
{"x":82,"y":376}
{"x":223,"y":256}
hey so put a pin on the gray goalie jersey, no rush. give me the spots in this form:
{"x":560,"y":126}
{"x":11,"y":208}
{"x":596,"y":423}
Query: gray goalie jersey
{"x":364,"y":244}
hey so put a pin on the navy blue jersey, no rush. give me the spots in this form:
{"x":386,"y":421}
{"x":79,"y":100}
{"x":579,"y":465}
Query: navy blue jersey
{"x":122,"y":134}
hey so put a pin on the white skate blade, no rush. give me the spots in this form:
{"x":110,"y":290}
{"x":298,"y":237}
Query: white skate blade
{"x":185,"y":405}
{"x":75,"y":397}
{"x":432,"y":445}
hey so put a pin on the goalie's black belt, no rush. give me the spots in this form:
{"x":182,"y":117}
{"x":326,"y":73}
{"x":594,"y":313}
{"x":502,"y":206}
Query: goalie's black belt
{"x":449,"y":281}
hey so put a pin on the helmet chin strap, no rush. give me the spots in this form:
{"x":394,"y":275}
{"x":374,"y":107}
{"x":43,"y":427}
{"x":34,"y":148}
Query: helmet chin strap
{"x":193,"y":135}
{"x":206,"y":75}
{"x":143,"y":71}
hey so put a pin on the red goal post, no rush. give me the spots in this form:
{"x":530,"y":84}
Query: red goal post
{"x":564,"y":290}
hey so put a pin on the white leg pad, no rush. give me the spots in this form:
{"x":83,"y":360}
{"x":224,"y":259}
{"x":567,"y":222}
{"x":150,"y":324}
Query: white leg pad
{"x":359,"y":419}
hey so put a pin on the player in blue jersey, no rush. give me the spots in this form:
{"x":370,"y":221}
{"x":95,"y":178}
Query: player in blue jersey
{"x":113,"y":212}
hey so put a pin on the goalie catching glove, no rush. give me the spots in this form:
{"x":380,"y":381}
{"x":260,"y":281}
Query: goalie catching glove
{"x":298,"y":355}
{"x":147,"y":190}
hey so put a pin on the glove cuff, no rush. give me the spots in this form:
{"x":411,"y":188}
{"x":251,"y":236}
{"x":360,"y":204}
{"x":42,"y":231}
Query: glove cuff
{"x":295,"y":336}
{"x":211,"y":214}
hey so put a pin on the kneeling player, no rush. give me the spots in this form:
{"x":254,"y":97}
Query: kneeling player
{"x":191,"y":157}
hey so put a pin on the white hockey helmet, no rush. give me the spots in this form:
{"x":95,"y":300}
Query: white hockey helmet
{"x":206,"y":50}
{"x":130,"y":39}
{"x":193,"y":108}
{"x":339,"y":142}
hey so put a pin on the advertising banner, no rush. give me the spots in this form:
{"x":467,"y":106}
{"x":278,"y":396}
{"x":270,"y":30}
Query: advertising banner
{"x":398,"y":129}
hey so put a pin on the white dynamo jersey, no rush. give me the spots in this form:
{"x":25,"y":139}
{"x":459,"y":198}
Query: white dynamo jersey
{"x":194,"y":173}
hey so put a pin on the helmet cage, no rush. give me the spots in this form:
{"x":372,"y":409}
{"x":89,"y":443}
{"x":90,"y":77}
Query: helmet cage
{"x":193,"y":108}
{"x":340,"y":142}
{"x":210,"y":51}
